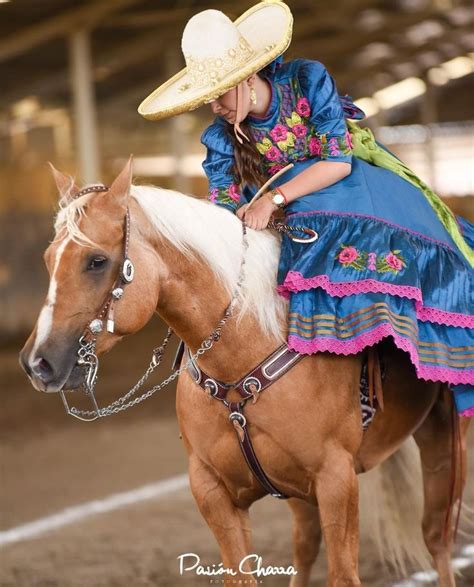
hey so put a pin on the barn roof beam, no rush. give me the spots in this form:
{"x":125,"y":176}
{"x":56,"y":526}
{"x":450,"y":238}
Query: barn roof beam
{"x":109,"y":63}
{"x":157,"y":17}
{"x":397,"y":25}
{"x":84,"y":17}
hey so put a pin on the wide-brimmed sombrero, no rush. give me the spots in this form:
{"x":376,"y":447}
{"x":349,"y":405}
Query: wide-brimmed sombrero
{"x":219,"y":54}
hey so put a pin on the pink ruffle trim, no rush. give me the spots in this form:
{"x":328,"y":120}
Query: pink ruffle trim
{"x":358,"y":344}
{"x":426,"y":314}
{"x":295,"y":282}
{"x":469,"y":413}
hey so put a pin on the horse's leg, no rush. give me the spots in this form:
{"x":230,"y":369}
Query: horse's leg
{"x":435,"y":439}
{"x":337,"y":493}
{"x":306,"y":540}
{"x":229,"y":524}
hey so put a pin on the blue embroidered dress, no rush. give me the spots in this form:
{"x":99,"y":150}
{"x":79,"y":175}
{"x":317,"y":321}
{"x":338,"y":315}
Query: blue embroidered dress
{"x":384,"y":264}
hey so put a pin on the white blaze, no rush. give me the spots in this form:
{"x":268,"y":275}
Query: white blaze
{"x":45,"y":320}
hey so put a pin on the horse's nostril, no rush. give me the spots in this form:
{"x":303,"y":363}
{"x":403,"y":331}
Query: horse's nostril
{"x":24,"y":364}
{"x":43,"y":370}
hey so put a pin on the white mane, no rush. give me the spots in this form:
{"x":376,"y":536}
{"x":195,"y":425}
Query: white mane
{"x":197,"y":226}
{"x":216,"y":235}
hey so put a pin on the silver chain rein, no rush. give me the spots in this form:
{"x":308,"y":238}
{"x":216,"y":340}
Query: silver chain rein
{"x":88,"y":358}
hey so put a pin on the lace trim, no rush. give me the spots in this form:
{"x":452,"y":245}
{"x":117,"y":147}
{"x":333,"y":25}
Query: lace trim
{"x":354,"y":346}
{"x":427,"y":314}
{"x":295,"y":282}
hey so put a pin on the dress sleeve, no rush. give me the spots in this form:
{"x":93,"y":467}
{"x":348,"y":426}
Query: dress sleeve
{"x":218,"y":165}
{"x":332,"y":140}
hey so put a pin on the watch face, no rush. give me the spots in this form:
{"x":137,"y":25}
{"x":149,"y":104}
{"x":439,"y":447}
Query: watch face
{"x":278,"y":199}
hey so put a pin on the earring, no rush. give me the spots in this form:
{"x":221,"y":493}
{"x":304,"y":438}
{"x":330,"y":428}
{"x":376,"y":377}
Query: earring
{"x":253,"y":96}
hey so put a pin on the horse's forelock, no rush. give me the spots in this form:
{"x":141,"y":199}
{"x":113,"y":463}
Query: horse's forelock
{"x":68,"y":218}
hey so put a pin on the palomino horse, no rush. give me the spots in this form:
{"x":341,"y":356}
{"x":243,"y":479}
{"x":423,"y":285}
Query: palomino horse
{"x":306,"y":429}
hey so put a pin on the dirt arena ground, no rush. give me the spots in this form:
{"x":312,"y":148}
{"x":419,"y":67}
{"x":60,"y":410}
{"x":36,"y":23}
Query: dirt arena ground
{"x":50,"y":462}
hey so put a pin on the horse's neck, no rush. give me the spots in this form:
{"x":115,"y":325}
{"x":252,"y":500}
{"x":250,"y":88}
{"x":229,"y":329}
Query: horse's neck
{"x":192,"y":301}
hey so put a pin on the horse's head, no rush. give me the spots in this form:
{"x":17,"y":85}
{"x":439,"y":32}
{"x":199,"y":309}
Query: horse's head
{"x":84,"y":261}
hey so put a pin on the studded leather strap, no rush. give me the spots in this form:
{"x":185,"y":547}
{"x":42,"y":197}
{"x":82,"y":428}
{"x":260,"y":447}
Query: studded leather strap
{"x":237,"y":418}
{"x":261,"y":377}
{"x":250,"y":386}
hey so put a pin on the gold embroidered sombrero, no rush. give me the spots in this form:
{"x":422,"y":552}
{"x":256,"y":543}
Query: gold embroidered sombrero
{"x":219,"y":54}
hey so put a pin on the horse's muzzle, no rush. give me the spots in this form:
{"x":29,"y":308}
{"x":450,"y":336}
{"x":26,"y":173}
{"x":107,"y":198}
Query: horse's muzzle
{"x":51,"y":369}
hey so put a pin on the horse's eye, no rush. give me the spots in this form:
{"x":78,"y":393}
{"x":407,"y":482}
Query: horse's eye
{"x":97,"y":263}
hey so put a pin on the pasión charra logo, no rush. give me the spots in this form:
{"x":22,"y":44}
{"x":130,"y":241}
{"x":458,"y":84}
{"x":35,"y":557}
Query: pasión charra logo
{"x":191,"y":563}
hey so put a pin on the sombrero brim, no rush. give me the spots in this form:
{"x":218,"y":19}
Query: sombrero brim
{"x":267,"y":27}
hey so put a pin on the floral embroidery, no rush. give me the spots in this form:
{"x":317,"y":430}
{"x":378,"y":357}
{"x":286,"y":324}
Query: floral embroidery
{"x":279,"y":132}
{"x":264,"y":146}
{"x":226,"y":195}
{"x":300,"y":130}
{"x":314,"y":147}
{"x":234,"y":192}
{"x":303,"y":108}
{"x":349,"y":256}
{"x":293,"y":120}
{"x":349,"y":140}
{"x":334,"y":146}
{"x":372,"y":260}
{"x":289,"y":142}
{"x":294,"y":137}
{"x":393,"y":262}
{"x":273,"y":154}
{"x":275,"y":169}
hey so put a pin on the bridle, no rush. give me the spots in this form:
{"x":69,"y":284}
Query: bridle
{"x":86,"y":354}
{"x":250,"y":386}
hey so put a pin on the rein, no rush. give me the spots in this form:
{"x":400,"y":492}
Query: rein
{"x":87,"y":357}
{"x":86,"y":354}
{"x":250,"y":386}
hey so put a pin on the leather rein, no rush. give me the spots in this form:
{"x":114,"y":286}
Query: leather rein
{"x":250,"y":386}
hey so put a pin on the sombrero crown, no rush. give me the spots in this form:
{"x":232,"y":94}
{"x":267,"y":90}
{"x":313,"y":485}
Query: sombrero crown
{"x":219,"y":54}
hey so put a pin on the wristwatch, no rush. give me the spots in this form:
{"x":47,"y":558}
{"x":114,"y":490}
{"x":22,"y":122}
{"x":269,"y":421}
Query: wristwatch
{"x":278,"y":198}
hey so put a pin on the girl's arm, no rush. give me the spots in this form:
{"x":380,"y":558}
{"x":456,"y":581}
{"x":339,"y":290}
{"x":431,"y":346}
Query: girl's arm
{"x":316,"y":177}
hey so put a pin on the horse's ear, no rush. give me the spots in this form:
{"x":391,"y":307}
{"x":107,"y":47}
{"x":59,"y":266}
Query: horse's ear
{"x":65,"y":183}
{"x":120,"y":188}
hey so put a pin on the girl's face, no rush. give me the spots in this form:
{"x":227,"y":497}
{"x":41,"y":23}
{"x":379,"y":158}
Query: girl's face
{"x":226,"y":105}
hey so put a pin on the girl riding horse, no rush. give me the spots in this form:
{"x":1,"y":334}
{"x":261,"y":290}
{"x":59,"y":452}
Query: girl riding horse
{"x":390,"y":263}
{"x":391,"y":260}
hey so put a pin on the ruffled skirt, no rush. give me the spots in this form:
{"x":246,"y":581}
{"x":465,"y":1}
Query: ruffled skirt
{"x":383,"y":266}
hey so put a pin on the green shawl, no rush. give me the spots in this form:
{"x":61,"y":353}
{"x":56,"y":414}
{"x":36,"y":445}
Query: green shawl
{"x":366,"y":148}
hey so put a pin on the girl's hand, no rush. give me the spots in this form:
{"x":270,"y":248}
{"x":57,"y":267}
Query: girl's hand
{"x":260,"y":213}
{"x":241,"y":211}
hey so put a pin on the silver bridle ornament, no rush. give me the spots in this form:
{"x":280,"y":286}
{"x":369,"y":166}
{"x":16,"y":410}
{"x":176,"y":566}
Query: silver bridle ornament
{"x":88,"y":359}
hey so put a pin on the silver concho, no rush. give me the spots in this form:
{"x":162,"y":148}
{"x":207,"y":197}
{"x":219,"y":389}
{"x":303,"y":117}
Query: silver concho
{"x":117,"y":293}
{"x":128,"y":271}
{"x":211,"y":385}
{"x":251,"y":381}
{"x":96,"y":326}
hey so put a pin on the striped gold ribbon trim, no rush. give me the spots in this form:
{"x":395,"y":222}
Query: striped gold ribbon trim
{"x":356,"y":322}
